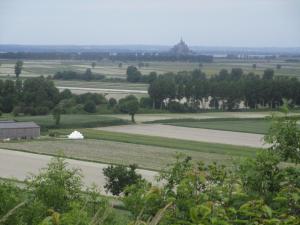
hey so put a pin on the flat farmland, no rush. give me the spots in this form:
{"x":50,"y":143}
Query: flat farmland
{"x":102,"y":85}
{"x":257,"y":126}
{"x":115,"y":90}
{"x":111,"y":69}
{"x":147,"y":157}
{"x":193,"y":134}
{"x":28,"y":164}
{"x":164,"y":117}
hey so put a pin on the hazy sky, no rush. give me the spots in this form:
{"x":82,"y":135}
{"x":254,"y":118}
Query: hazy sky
{"x":253,"y":23}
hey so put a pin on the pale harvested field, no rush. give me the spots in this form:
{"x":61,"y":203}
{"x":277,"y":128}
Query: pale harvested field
{"x":111,"y":69}
{"x":145,"y":156}
{"x":164,"y":116}
{"x":20,"y":165}
{"x":101,"y":85}
{"x":194,"y":134}
{"x":105,"y":90}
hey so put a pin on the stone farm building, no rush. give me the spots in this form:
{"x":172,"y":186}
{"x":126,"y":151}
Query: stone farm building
{"x":18,"y":130}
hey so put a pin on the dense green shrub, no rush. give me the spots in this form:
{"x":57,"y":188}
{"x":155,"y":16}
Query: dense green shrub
{"x":119,"y":177}
{"x":53,"y":197}
{"x":90,"y":107}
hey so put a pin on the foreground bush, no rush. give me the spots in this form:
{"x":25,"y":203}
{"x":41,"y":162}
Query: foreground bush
{"x":199,"y":194}
{"x":53,"y":197}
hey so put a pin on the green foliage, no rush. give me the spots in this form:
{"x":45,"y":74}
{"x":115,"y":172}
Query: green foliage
{"x":18,"y":68}
{"x":284,"y":137}
{"x":56,"y":112}
{"x":133,"y":74}
{"x":56,"y":185}
{"x":90,"y":107}
{"x":53,"y":197}
{"x":112,"y":102}
{"x":227,"y":90}
{"x":268,"y":74}
{"x":72,"y":75}
{"x":146,"y":102}
{"x":10,"y":196}
{"x":213,"y":194}
{"x":119,"y":177}
{"x":261,"y":175}
{"x":129,"y":105}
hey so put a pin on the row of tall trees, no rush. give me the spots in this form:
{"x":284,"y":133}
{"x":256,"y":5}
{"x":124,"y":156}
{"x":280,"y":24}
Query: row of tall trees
{"x":39,"y":94}
{"x":226,"y":90}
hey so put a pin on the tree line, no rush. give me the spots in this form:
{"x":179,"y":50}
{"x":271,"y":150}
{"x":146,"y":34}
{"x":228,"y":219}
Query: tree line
{"x":39,"y":96}
{"x":121,"y":56}
{"x":72,"y":75}
{"x":225,"y":90}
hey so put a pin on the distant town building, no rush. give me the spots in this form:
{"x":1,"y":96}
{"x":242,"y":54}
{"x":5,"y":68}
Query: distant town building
{"x":18,"y":130}
{"x":181,"y":49}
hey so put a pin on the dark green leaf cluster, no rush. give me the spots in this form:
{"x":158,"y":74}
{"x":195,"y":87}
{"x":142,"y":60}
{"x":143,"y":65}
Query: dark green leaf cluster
{"x":258,"y":192}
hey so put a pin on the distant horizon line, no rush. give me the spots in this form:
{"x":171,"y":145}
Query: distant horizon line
{"x":148,"y":45}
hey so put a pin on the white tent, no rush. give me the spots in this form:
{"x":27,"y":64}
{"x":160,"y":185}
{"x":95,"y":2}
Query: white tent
{"x":75,"y":135}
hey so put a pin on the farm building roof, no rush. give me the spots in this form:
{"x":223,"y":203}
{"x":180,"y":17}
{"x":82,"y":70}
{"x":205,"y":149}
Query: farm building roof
{"x":17,"y":125}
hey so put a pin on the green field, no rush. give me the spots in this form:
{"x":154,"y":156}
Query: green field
{"x":258,"y":126}
{"x":254,"y":125}
{"x":165,"y":142}
{"x":111,"y":70}
{"x":114,"y":152}
{"x":73,"y":121}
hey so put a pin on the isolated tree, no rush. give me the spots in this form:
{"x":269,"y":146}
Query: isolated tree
{"x":18,"y":68}
{"x":56,"y":112}
{"x":254,"y":65}
{"x":93,"y":64}
{"x":278,"y":66}
{"x":119,"y":177}
{"x":133,"y":74}
{"x":120,"y":65}
{"x":88,"y":74}
{"x":129,"y":105}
